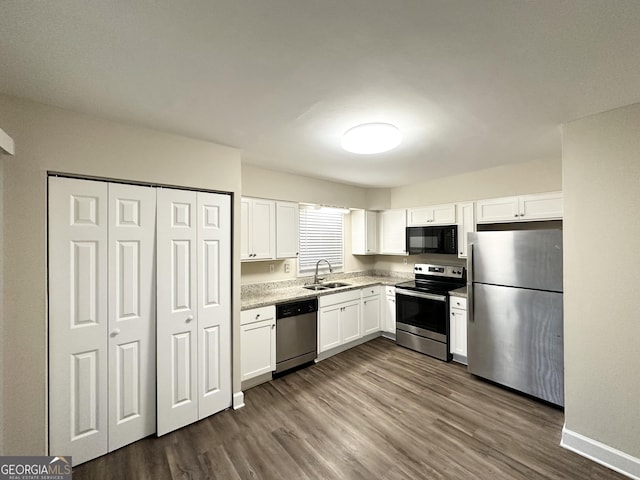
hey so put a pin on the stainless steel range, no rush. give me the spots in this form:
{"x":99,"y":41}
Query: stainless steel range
{"x":422,"y":309}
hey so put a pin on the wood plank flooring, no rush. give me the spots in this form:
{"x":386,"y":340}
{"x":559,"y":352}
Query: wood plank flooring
{"x":377,"y":411}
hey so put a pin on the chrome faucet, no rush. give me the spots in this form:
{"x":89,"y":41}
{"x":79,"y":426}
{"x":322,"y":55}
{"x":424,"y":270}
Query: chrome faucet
{"x":316,"y":278}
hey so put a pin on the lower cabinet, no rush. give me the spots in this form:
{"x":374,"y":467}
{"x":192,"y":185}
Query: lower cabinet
{"x":371,"y":309}
{"x":458,"y":328}
{"x":389,"y":312}
{"x":258,"y":341}
{"x":338,"y":319}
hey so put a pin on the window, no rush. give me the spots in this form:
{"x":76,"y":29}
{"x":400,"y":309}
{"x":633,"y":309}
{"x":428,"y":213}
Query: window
{"x":320,"y":237}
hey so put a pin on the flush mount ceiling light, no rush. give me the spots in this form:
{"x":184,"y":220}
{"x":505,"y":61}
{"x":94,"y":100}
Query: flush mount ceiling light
{"x":371,"y":138}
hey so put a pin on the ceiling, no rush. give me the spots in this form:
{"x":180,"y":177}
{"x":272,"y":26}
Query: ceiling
{"x":471,"y":83}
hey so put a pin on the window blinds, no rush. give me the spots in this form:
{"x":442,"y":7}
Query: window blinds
{"x":320,"y":237}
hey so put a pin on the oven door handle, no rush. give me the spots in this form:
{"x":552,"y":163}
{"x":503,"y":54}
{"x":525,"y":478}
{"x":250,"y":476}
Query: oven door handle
{"x":428,"y":296}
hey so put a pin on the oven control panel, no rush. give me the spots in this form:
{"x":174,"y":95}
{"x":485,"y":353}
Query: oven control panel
{"x":438,"y":270}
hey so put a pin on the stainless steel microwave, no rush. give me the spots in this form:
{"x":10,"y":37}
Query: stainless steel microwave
{"x":437,"y":239}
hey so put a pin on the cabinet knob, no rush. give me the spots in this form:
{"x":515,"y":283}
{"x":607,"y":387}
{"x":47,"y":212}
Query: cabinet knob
{"x":273,"y":326}
{"x":189,"y":318}
{"x":516,"y":215}
{"x":115,"y":332}
{"x":257,"y":316}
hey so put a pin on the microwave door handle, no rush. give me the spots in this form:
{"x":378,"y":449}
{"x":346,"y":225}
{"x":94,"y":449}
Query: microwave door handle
{"x":428,"y":296}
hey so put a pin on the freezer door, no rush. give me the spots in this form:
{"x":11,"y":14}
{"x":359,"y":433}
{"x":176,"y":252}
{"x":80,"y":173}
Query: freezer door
{"x":526,"y":259}
{"x":515,"y":338}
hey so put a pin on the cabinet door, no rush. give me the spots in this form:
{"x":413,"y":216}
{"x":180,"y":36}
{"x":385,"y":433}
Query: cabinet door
{"x":392,"y":236}
{"x":177,"y":346}
{"x":78,"y":405}
{"x":132,"y":314}
{"x":371,"y":226}
{"x":363,"y":232}
{"x":459,"y":332}
{"x":371,"y":314}
{"x":287,"y":219}
{"x":258,"y":346}
{"x":498,"y":210}
{"x":419,"y":216}
{"x":467,"y":224}
{"x":544,"y":206}
{"x":245,"y":229}
{"x":390,"y":314}
{"x":329,"y":327}
{"x":263,"y":235}
{"x":214,"y":227}
{"x":350,"y":322}
{"x":444,"y":214}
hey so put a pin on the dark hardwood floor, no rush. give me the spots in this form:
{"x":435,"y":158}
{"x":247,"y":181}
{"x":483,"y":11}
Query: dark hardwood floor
{"x":377,"y":411}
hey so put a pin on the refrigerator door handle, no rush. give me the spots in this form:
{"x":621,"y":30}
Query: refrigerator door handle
{"x":470,"y":282}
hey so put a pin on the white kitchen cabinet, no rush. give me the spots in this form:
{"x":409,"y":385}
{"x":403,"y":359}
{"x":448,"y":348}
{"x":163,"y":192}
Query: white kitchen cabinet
{"x":258,"y":229}
{"x":371,"y":309}
{"x":541,"y":206}
{"x":466,"y":224}
{"x":458,"y":328}
{"x":389,"y":325}
{"x":392,"y":226}
{"x":338,"y":319}
{"x":287,"y":229}
{"x":434,"y":215}
{"x":257,"y":341}
{"x":364,"y":231}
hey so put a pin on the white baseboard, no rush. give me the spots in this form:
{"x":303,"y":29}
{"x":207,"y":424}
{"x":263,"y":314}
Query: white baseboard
{"x":238,"y":400}
{"x":599,"y":452}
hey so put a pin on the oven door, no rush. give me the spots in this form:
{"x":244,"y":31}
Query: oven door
{"x":423,"y":314}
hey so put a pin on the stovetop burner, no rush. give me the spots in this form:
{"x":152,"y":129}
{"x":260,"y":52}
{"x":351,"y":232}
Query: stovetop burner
{"x":435,"y":278}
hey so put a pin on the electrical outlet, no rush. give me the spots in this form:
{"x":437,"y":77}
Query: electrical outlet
{"x":272,"y":268}
{"x":404,"y":260}
{"x":287,"y":268}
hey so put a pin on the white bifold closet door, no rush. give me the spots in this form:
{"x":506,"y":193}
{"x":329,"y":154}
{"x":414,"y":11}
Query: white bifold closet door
{"x":194,"y":306}
{"x":101,"y":316}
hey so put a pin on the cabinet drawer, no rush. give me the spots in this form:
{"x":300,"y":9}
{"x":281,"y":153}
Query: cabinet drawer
{"x":258,"y":314}
{"x":458,"y":302}
{"x":334,"y":298}
{"x":370,"y":291}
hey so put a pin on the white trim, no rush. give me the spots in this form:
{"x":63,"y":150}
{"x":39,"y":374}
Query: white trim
{"x":6,"y":143}
{"x":600,"y":453}
{"x":238,"y":400}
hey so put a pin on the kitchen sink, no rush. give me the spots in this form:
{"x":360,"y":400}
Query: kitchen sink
{"x":316,"y":287}
{"x":335,"y":284}
{"x":326,"y":286}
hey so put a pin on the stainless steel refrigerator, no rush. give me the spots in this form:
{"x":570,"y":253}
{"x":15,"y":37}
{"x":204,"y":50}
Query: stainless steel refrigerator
{"x":515,"y":324}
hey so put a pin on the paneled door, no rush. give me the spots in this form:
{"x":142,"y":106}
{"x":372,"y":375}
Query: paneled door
{"x":132,"y":313}
{"x":78,"y":354}
{"x":214,"y":302}
{"x":177,"y":346}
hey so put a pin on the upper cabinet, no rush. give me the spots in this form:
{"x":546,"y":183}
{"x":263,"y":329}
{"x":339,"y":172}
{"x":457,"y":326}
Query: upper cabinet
{"x":363,"y":232}
{"x":287,"y":229}
{"x":466,"y":224}
{"x":392,"y":232}
{"x":434,"y":215}
{"x":542,"y":206}
{"x":258,"y":232}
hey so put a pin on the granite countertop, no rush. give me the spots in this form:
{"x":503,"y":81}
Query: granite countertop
{"x":261,"y":295}
{"x":460,"y":292}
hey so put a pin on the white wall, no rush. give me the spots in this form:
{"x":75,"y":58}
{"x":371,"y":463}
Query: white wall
{"x":506,"y":180}
{"x":51,"y":139}
{"x":601,"y":161}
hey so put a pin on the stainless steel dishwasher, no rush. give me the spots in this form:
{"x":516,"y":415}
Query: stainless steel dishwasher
{"x":296,"y":333}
